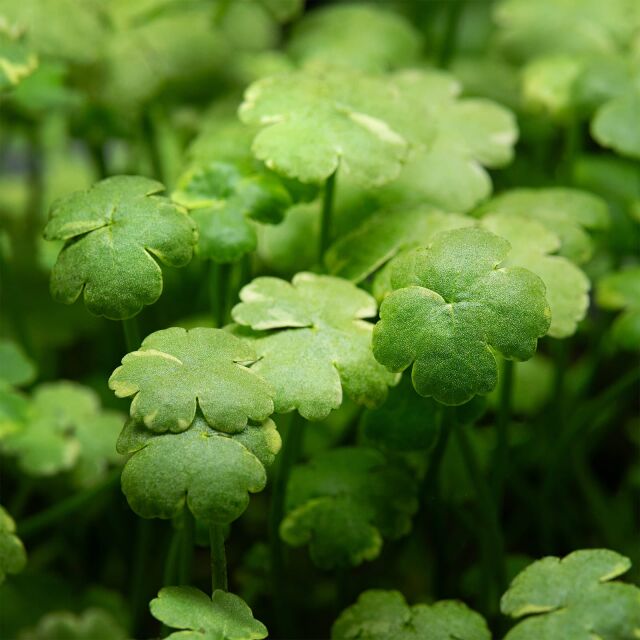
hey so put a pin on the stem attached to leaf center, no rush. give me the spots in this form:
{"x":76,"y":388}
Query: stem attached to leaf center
{"x":501,"y":453}
{"x":327,"y":213}
{"x":186,"y":548}
{"x":131,"y":333}
{"x":218,"y":559}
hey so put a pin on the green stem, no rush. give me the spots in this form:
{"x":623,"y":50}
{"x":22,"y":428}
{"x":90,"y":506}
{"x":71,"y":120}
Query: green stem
{"x":131,"y":333}
{"x":218,"y":559}
{"x":327,"y":214}
{"x":67,"y":507}
{"x":219,"y":277}
{"x":491,"y":535}
{"x":186,"y":547}
{"x":142,"y":553}
{"x":291,"y":445}
{"x":572,"y":146}
{"x":437,"y":453}
{"x":171,"y":560}
{"x":449,"y":39}
{"x":503,"y":419}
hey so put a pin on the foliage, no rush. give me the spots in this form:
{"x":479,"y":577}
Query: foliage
{"x":12,"y":554}
{"x":621,"y":291}
{"x":89,"y":625}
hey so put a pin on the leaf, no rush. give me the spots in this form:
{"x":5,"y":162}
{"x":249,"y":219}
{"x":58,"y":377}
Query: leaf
{"x":91,"y":624}
{"x":574,"y":597}
{"x":208,"y":471}
{"x":317,"y":120}
{"x":385,"y":615}
{"x":14,"y":408}
{"x":175,"y":371}
{"x":453,"y":303}
{"x":569,"y":213}
{"x":17,"y":60}
{"x":532,"y":247}
{"x":225,"y":199}
{"x":343,"y":502}
{"x":616,"y":124}
{"x":284,"y":10}
{"x":225,"y":616}
{"x":363,"y":37}
{"x":621,"y":291}
{"x":12,"y":554}
{"x":115,"y":232}
{"x":65,"y":430}
{"x":405,"y":422}
{"x":313,"y":343}
{"x":15,"y":367}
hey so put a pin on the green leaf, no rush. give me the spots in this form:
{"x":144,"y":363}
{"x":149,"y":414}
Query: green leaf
{"x":283,"y":10}
{"x":14,"y":408}
{"x":321,"y":345}
{"x":453,"y":303}
{"x":12,"y":554}
{"x":115,"y":233}
{"x":17,"y":60}
{"x":225,"y":199}
{"x":616,"y":125}
{"x":574,"y":597}
{"x":385,"y":615}
{"x":358,"y":36}
{"x":344,"y":502}
{"x":316,"y":120}
{"x":224,"y":616}
{"x":208,"y":471}
{"x":65,"y":430}
{"x":91,"y":624}
{"x":532,"y":246}
{"x":405,"y":422}
{"x":621,"y":291}
{"x":176,"y":371}
{"x":15,"y":367}
{"x":569,"y":213}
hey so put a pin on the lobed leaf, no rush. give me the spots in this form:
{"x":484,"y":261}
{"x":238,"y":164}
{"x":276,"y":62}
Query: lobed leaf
{"x":621,"y":291}
{"x":224,"y":616}
{"x":385,"y":615}
{"x":114,"y":235}
{"x":176,"y":371}
{"x":313,"y":342}
{"x":452,"y":304}
{"x":12,"y":554}
{"x":208,"y":471}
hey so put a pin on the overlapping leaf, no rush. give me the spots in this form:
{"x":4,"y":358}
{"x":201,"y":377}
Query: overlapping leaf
{"x":621,"y":291}
{"x":385,"y":615}
{"x":574,"y":597}
{"x":12,"y":554}
{"x":175,"y":371}
{"x":570,"y":213}
{"x":344,"y":502}
{"x":65,"y":430}
{"x":114,"y":233}
{"x":452,"y":304}
{"x":358,"y":36}
{"x":317,"y":120}
{"x":91,"y":624}
{"x":313,"y":342}
{"x":224,"y":616}
{"x":205,"y":470}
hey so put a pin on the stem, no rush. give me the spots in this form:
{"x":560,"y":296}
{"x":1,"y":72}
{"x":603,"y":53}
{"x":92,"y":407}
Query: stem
{"x":140,"y":571}
{"x":218,"y":559}
{"x":501,"y":453}
{"x":292,"y":442}
{"x":327,"y":212}
{"x":63,"y":509}
{"x":98,"y":156}
{"x":219,"y":276}
{"x":131,"y":333}
{"x":186,"y":547}
{"x":448,"y":46}
{"x":491,"y":535}
{"x":437,"y":453}
{"x":171,"y":559}
{"x":572,"y":145}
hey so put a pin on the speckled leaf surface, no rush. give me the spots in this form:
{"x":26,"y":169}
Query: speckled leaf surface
{"x":621,"y":291}
{"x":313,"y":342}
{"x":385,"y":615}
{"x":317,"y":120}
{"x":210,"y":472}
{"x":12,"y":554}
{"x":224,"y":616}
{"x":115,"y":233}
{"x":344,"y":502}
{"x":452,"y":304}
{"x":176,"y":371}
{"x":574,"y":597}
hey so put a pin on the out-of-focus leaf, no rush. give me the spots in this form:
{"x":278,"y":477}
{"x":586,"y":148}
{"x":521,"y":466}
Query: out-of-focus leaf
{"x":12,"y":554}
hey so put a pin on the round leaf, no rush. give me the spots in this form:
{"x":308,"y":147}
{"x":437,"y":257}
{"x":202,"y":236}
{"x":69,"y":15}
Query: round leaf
{"x":617,"y":126}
